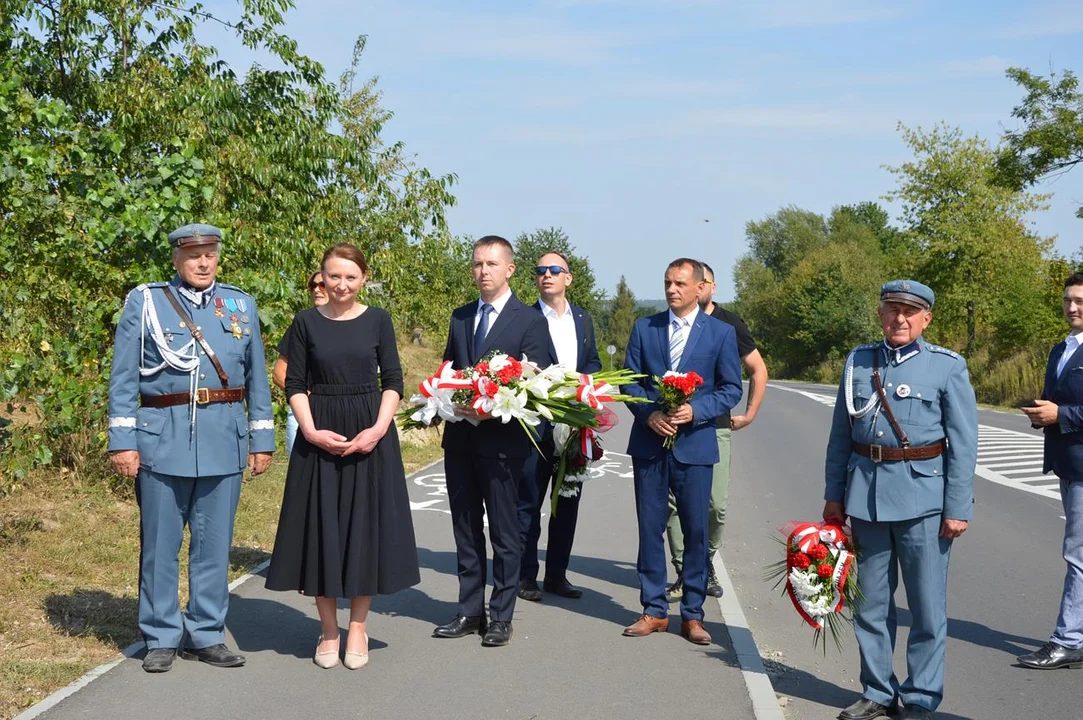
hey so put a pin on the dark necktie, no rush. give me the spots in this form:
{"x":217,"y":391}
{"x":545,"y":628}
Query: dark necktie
{"x":481,"y":330}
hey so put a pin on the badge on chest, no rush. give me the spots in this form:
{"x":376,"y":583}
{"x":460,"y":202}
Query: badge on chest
{"x":903,"y":391}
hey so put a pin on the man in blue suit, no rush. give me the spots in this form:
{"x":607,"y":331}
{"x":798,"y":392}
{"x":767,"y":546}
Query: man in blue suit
{"x":900,"y":464}
{"x":681,"y":339}
{"x":572,"y":332}
{"x":1060,"y":414}
{"x":189,"y":408}
{"x":485,"y":463}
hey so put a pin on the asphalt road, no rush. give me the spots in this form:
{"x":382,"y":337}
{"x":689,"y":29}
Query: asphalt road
{"x":1004,"y":584}
{"x":567,"y":658}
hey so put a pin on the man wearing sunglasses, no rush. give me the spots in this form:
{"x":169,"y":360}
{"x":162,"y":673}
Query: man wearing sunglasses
{"x":572,"y":331}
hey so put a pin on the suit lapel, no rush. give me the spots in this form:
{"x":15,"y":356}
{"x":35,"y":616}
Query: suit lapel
{"x":693,"y":336}
{"x":1073,"y":361}
{"x":662,"y":331}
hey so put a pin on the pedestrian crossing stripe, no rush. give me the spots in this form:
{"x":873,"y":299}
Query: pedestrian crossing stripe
{"x":1006,"y":457}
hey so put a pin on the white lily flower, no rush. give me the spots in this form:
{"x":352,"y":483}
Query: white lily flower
{"x":539,"y":386}
{"x":561,"y":435}
{"x":545,"y":412}
{"x":498,"y":363}
{"x":509,"y":405}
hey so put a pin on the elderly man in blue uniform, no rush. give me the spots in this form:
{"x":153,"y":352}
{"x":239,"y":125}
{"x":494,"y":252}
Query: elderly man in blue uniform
{"x":1060,"y":413}
{"x":189,"y":408}
{"x":900,"y":464}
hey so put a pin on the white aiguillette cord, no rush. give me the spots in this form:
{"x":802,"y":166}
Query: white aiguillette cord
{"x":848,"y":389}
{"x":185,"y":359}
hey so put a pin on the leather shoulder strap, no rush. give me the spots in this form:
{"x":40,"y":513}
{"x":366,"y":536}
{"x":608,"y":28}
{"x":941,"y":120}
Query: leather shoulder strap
{"x":198,"y":335}
{"x":903,"y":439}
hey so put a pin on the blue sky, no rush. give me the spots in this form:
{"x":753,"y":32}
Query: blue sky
{"x":629,"y":123}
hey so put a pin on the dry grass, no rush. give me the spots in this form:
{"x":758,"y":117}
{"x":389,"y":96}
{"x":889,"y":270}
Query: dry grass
{"x":69,"y":564}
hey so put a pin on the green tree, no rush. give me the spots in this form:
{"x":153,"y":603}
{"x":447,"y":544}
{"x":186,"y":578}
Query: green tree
{"x":118,"y":124}
{"x":530,"y":246}
{"x":1050,"y":137}
{"x":620,"y":319}
{"x":975,"y":249}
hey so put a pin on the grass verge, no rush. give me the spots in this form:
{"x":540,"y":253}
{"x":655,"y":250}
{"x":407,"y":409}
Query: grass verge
{"x":69,"y":564}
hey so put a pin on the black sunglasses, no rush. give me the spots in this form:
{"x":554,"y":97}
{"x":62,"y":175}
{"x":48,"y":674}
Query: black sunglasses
{"x":312,"y":285}
{"x":555,"y":269}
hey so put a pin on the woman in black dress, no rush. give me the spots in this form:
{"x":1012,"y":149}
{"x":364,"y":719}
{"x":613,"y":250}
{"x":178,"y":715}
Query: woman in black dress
{"x":345,"y":528}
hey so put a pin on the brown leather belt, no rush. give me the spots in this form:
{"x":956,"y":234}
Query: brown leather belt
{"x":203,"y":396}
{"x":879,"y":453}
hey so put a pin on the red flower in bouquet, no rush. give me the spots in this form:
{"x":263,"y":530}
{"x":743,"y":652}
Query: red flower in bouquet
{"x":676,"y":389}
{"x":819,"y":576}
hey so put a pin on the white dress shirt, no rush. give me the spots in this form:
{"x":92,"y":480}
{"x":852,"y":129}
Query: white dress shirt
{"x":562,"y":331}
{"x":687,"y":321}
{"x":1071,"y":344}
{"x":498,"y":307}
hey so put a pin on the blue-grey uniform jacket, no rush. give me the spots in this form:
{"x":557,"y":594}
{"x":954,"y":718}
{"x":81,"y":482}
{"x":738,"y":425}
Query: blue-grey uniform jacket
{"x":224,"y":433}
{"x":929,"y":391}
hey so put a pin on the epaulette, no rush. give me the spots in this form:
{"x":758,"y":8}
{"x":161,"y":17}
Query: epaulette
{"x":227,"y":286}
{"x":943,"y":351}
{"x":867,"y":346}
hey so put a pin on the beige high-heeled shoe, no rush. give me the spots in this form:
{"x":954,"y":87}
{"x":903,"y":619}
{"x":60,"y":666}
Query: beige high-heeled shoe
{"x":326,"y":659}
{"x":356,"y":661}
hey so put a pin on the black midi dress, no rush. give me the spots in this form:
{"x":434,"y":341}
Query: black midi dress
{"x":345,"y":528}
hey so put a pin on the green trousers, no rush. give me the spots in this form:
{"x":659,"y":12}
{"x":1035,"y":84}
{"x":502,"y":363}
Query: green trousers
{"x":716,"y":518}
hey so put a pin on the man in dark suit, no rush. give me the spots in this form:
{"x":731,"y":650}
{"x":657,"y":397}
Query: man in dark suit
{"x":1060,"y":413}
{"x":484,"y":464}
{"x":572,"y":332}
{"x":681,"y":339}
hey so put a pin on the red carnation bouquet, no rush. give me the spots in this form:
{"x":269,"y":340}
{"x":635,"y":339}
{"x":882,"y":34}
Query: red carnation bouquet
{"x":820,"y":576}
{"x":675,"y":389}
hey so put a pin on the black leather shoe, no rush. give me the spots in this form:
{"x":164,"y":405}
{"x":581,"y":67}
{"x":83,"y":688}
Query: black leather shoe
{"x":460,"y":627}
{"x":1052,"y":656}
{"x":865,"y":709}
{"x":915,"y":712}
{"x":675,"y":591}
{"x":499,"y":634}
{"x":528,"y":590}
{"x":216,"y":655}
{"x":159,"y":660}
{"x":563,"y":588}
{"x":714,"y":588}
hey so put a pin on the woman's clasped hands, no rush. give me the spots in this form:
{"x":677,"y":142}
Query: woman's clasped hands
{"x":364,"y":442}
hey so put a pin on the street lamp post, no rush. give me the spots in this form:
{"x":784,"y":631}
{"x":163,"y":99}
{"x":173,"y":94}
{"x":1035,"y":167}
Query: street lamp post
{"x":610,"y":349}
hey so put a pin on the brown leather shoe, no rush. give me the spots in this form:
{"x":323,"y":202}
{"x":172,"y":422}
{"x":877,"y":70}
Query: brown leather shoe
{"x":693,"y":631}
{"x":645,"y":625}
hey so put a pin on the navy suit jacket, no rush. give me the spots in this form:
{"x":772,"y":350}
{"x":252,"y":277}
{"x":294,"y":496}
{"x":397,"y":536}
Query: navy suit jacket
{"x":518,"y":330}
{"x":1064,"y":439}
{"x":711,"y":351}
{"x":587,"y":359}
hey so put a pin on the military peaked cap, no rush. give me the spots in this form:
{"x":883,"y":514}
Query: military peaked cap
{"x":909,"y":292}
{"x":195,"y":234}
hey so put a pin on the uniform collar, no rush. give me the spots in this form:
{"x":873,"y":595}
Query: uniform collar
{"x":897,"y":356}
{"x":198,"y":298}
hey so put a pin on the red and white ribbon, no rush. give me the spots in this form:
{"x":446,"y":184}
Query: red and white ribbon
{"x":592,"y":393}
{"x":443,"y":379}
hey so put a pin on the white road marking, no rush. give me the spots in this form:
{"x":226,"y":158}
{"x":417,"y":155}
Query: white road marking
{"x":994,"y":446}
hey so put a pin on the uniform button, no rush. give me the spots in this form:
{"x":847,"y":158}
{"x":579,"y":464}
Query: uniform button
{"x":198,"y":327}
{"x":919,"y":394}
{"x":202,"y":353}
{"x":889,"y":384}
{"x":144,"y":424}
{"x":880,"y":433}
{"x":202,"y":376}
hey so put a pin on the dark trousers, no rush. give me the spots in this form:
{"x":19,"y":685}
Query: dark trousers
{"x":482,"y":489}
{"x":540,"y":475}
{"x":655,"y":478}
